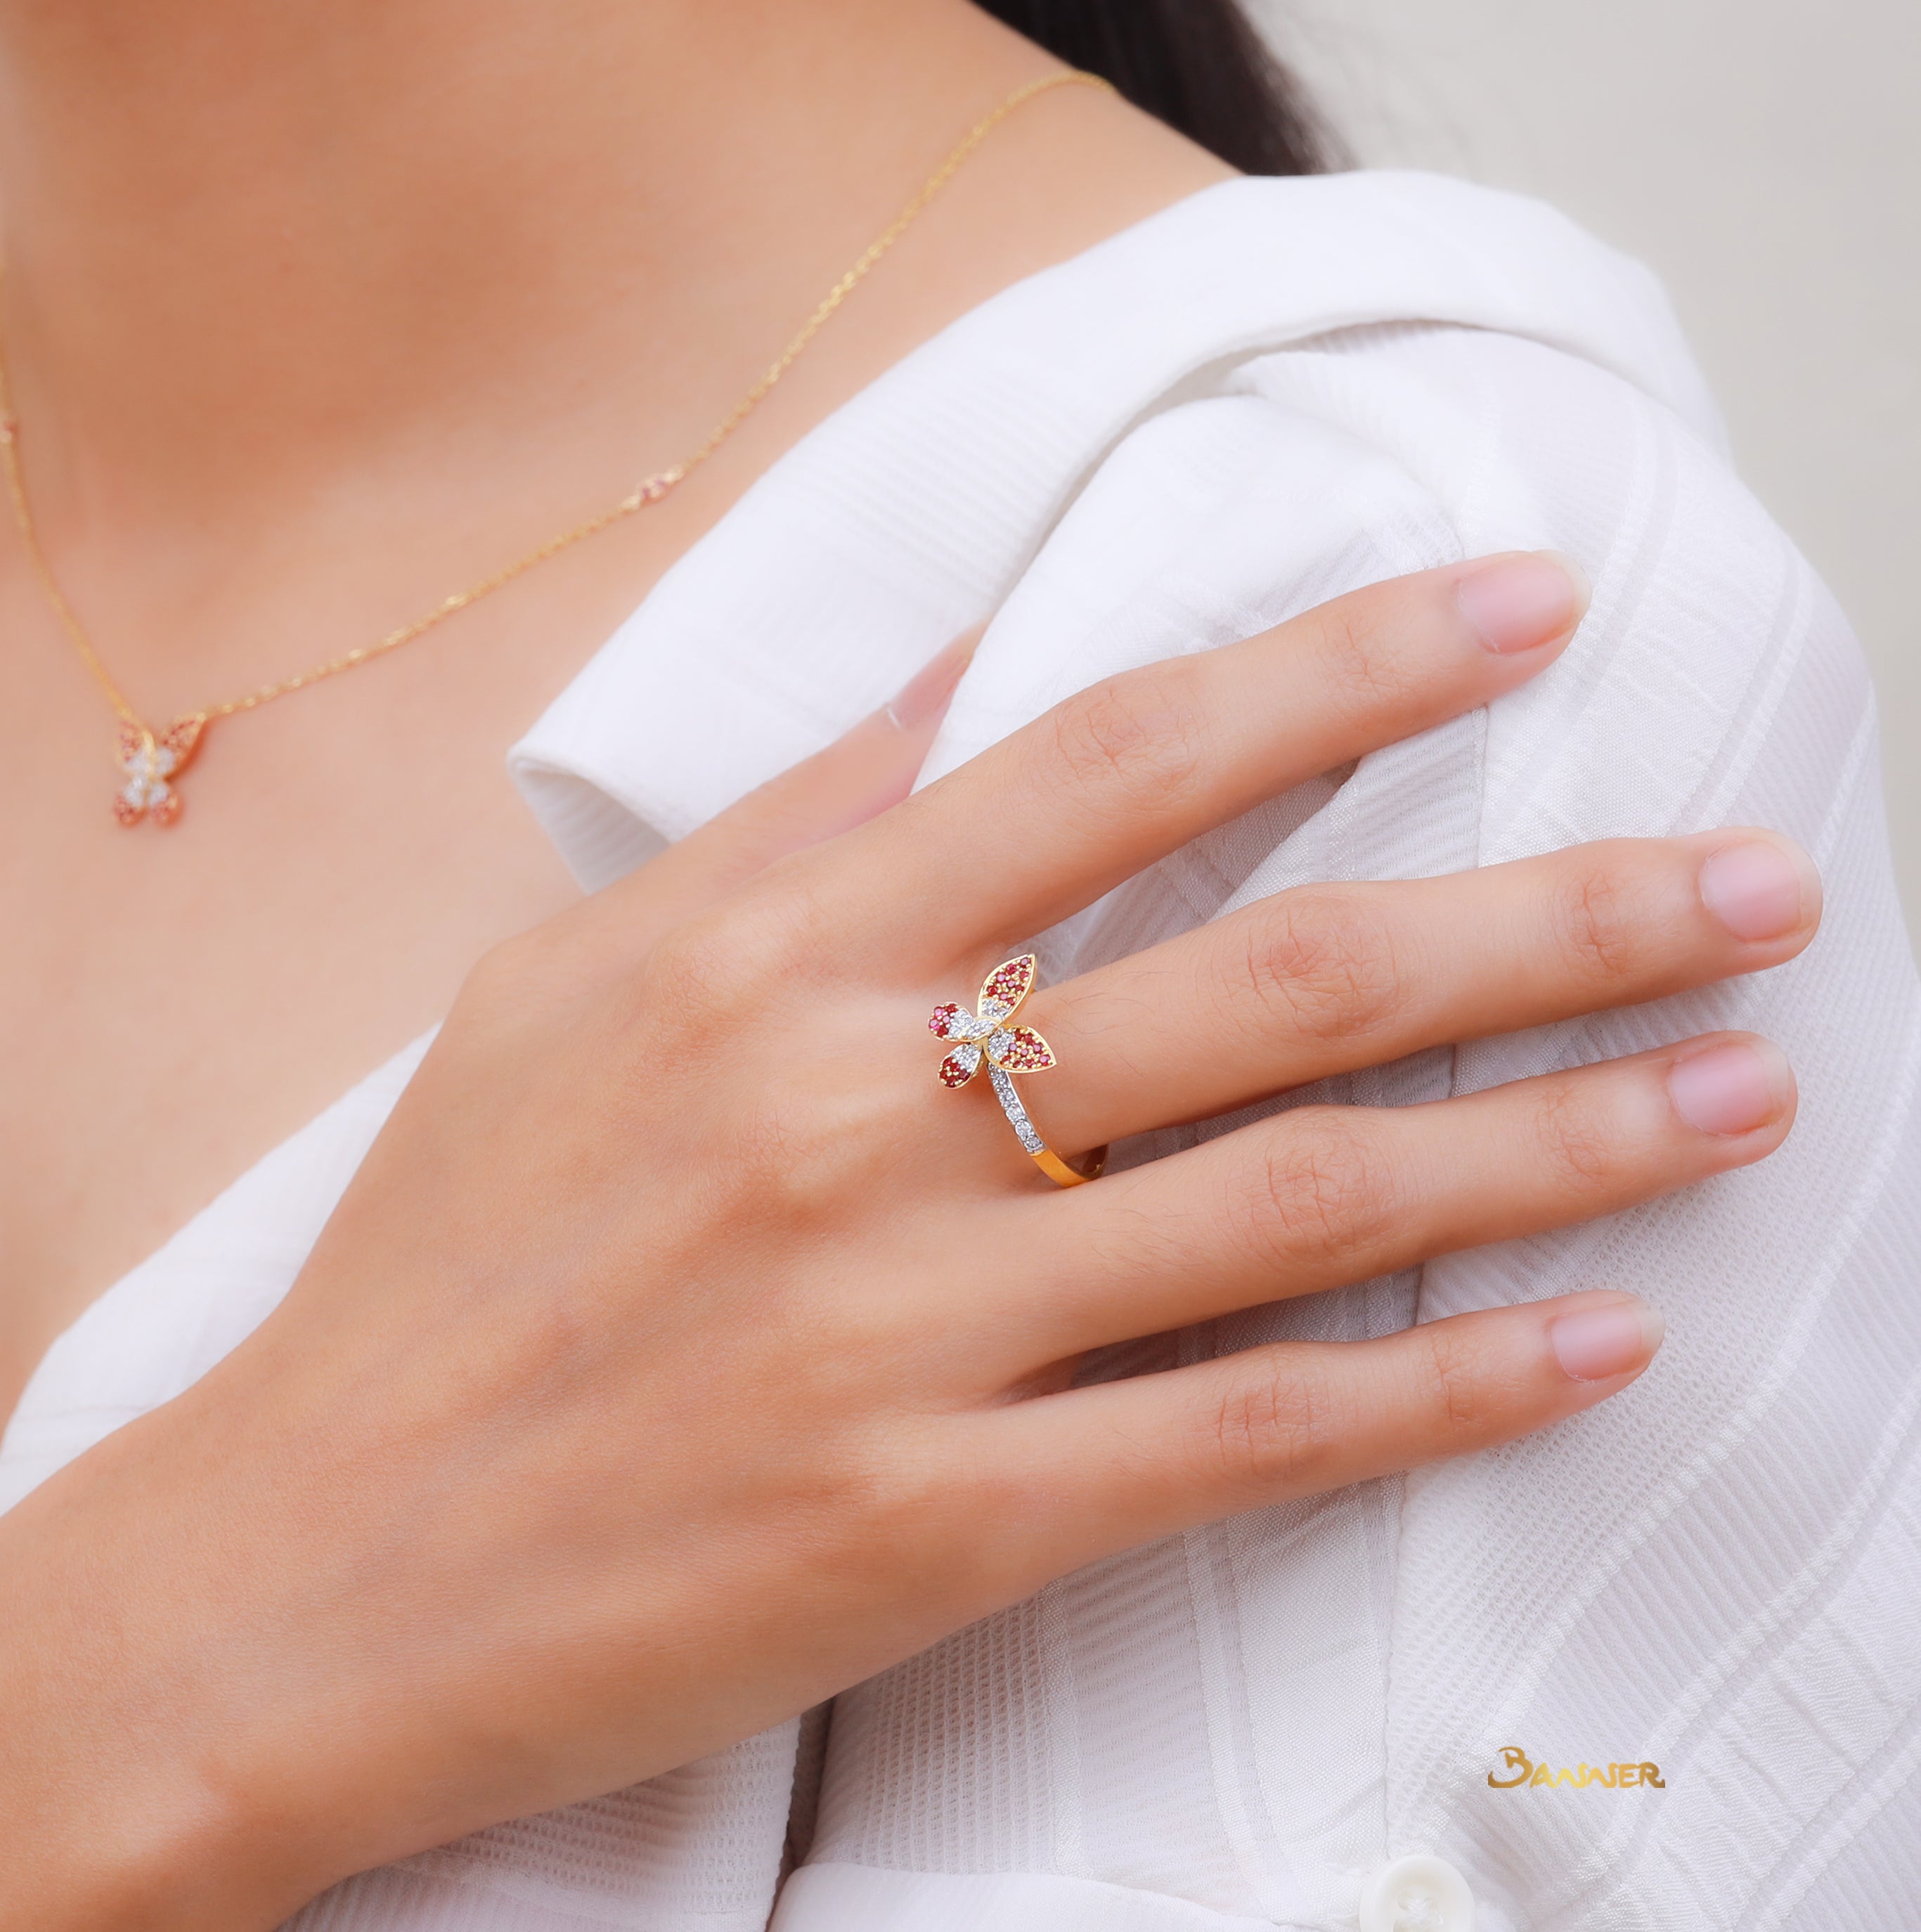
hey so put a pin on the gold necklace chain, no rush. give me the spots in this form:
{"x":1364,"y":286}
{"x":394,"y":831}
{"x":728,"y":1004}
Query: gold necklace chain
{"x":148,"y":760}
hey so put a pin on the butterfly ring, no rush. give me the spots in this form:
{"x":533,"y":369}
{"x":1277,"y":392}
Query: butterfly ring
{"x":987,"y":1037}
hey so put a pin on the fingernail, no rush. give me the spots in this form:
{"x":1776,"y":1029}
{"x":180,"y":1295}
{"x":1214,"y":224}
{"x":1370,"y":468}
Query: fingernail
{"x":1519,"y":603}
{"x":1758,"y":890}
{"x":1593,"y":1344}
{"x":1731,"y":1089}
{"x":926,"y":693}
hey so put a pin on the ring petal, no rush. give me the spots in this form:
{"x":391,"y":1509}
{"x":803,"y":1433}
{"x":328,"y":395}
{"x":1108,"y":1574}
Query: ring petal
{"x":1020,"y":1050}
{"x":961,"y":1066}
{"x":1006,"y":986}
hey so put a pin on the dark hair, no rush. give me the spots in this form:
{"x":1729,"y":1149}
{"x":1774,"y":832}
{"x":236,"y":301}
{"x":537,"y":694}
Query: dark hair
{"x":1199,"y":65}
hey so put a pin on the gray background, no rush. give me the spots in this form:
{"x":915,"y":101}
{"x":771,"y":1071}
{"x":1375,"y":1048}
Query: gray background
{"x":1764,"y":157}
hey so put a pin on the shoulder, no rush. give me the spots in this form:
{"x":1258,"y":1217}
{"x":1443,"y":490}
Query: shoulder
{"x":1268,"y":393}
{"x":1504,"y":405}
{"x":1269,"y":261}
{"x":1707,"y":624}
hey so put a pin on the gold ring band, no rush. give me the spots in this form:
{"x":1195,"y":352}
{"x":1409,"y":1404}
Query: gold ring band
{"x":989,"y":1038}
{"x":1062,"y":1173}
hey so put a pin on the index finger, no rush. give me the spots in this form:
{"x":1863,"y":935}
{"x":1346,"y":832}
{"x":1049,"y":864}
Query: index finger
{"x":1131,"y":769}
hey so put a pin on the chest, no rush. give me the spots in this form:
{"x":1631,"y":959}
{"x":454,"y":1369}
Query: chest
{"x":175,"y":998}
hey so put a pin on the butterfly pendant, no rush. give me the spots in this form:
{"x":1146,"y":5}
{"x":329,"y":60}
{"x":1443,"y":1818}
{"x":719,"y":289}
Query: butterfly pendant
{"x":986,"y":1035}
{"x":147,"y":763}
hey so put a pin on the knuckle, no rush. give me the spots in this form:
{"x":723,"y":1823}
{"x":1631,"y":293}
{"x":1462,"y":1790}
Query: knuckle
{"x":1361,"y":674}
{"x":908,"y":1494}
{"x":1322,"y":1192}
{"x":726,"y":965}
{"x":1463,"y":1398}
{"x":517,"y":981}
{"x":810,"y":1140}
{"x":508,"y":966}
{"x":1323,"y":965}
{"x":1276,"y":1428}
{"x":1599,"y":931}
{"x":697,"y":970}
{"x":1138,"y":739}
{"x":1580,"y":1145}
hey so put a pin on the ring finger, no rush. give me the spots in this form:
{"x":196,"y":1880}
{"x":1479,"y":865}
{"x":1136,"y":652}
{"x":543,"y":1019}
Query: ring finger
{"x":1324,"y":979}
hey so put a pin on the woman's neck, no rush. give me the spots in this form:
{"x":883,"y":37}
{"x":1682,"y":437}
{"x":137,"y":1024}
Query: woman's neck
{"x":253,"y":243}
{"x":319,"y":310}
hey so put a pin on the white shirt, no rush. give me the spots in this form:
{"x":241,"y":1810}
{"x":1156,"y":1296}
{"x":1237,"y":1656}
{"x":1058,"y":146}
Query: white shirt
{"x":1274,"y":392}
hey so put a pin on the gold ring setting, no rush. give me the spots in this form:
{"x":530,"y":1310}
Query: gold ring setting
{"x":987,"y":1037}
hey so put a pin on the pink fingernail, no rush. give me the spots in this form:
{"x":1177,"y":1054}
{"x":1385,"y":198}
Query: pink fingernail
{"x":1731,"y":1089}
{"x":1758,"y":890}
{"x":926,"y":693}
{"x":1593,"y":1344}
{"x":1519,"y":603}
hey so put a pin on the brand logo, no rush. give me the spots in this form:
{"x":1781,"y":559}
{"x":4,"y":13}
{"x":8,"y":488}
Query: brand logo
{"x":1521,"y":1770}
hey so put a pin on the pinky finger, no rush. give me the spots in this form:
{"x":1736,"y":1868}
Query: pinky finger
{"x":1131,"y":1461}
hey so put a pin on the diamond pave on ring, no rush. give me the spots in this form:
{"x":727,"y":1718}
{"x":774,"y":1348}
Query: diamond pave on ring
{"x":987,"y":1037}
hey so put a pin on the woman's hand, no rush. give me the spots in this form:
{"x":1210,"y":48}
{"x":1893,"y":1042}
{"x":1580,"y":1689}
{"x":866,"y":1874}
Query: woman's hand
{"x":684,"y":1352}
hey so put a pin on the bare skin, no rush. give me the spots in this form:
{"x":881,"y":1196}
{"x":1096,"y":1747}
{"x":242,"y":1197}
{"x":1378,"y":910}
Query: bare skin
{"x":644,"y":1390}
{"x":278,"y":290}
{"x":281,"y":289}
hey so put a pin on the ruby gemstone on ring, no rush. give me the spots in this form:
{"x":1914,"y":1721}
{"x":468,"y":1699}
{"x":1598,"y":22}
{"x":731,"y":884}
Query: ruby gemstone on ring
{"x":987,"y":1035}
{"x":1007,"y":985}
{"x":961,"y":1066}
{"x":1020,"y":1050}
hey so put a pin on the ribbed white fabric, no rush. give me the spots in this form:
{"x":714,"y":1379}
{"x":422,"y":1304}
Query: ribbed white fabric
{"x":1274,"y":392}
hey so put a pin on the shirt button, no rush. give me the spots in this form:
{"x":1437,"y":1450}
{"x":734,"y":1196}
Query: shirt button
{"x":1419,"y":1893}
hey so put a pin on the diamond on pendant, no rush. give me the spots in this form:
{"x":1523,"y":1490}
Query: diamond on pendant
{"x":147,"y":762}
